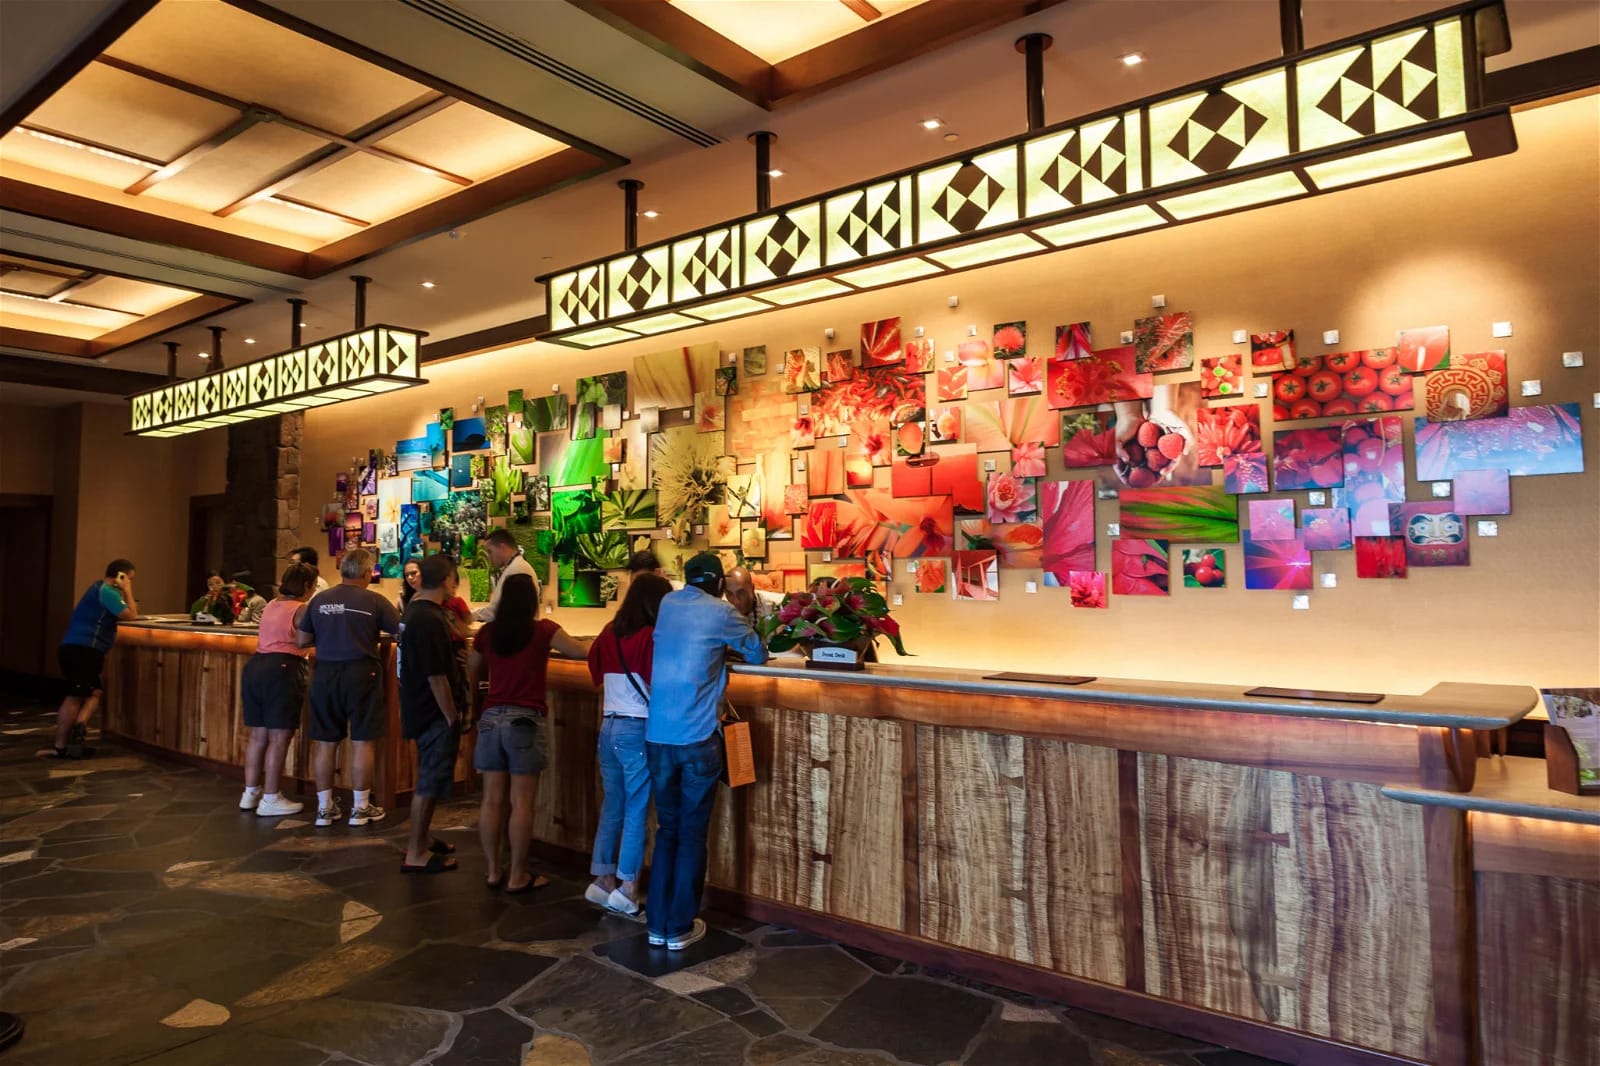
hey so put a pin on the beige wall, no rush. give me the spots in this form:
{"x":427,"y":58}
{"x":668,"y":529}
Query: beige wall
{"x":114,"y":496}
{"x":1508,"y":239}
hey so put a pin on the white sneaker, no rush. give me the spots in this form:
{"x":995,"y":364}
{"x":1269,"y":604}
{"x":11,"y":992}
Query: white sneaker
{"x":657,"y":940}
{"x":619,"y":902}
{"x":329,"y":814}
{"x":277,"y":807}
{"x":597,"y":895}
{"x":249,"y":799}
{"x":693,"y":936}
{"x":370,"y":813}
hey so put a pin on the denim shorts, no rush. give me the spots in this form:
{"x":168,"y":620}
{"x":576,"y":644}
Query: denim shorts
{"x":511,"y":739}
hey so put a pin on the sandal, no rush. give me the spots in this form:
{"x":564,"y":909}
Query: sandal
{"x":439,"y":847}
{"x":493,"y":883}
{"x":436,"y":864}
{"x":534,"y":883}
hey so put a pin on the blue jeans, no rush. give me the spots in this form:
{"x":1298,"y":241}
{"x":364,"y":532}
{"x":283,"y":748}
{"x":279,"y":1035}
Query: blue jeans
{"x":619,"y":842}
{"x":685,"y":779}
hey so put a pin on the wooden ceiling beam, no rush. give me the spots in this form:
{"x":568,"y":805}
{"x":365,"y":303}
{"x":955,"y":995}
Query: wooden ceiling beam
{"x":20,"y":370}
{"x":864,"y":10}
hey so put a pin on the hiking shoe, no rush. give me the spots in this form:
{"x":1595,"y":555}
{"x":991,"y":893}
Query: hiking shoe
{"x":249,"y":799}
{"x":278,"y":806}
{"x":693,"y":936}
{"x":329,"y":814}
{"x":370,"y":813}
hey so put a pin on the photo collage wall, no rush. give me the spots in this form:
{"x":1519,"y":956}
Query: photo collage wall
{"x":800,"y":462}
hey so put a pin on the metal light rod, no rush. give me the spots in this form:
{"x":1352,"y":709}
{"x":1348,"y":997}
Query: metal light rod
{"x":630,"y":212}
{"x":1033,"y":47}
{"x":172,"y":360}
{"x":1291,"y":27}
{"x":361,"y":281}
{"x":296,"y":309}
{"x":216,"y":347}
{"x":763,"y":142}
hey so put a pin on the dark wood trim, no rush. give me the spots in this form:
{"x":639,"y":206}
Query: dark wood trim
{"x":1543,"y":78}
{"x":87,"y":377}
{"x":557,"y":171}
{"x":1452,"y":937}
{"x":114,"y":25}
{"x":175,"y":317}
{"x":483,"y":340}
{"x":910,"y":832}
{"x":344,"y":44}
{"x":1130,"y":836}
{"x":1286,"y":1045}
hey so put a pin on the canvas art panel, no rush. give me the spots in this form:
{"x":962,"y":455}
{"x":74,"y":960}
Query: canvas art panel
{"x":1433,"y":531}
{"x":520,"y":443}
{"x":1089,"y":438}
{"x":1380,"y":557}
{"x":1375,"y":474}
{"x":1271,"y":519}
{"x":469,"y":435}
{"x":1205,"y":568}
{"x":1156,"y":443}
{"x":1326,"y":529}
{"x":920,"y":356}
{"x":932,"y":576}
{"x":671,"y":377}
{"x":976,"y":575}
{"x":802,"y":370}
{"x":753,"y":542}
{"x":838,"y":366}
{"x":824,"y":473}
{"x":880,"y":343}
{"x":1073,"y":341}
{"x":1223,"y":431}
{"x":888,"y":394}
{"x":1423,"y":348}
{"x":1277,"y":564}
{"x":461,"y":471}
{"x":755,"y":360}
{"x":1164,"y":342}
{"x":1140,"y":567}
{"x":1272,"y":350}
{"x":950,"y":383}
{"x":1222,"y":378}
{"x":872,"y":520}
{"x":1345,"y":383}
{"x":955,"y":475}
{"x":495,"y":418}
{"x":1009,"y":498}
{"x":412,"y":454}
{"x":820,"y":528}
{"x":1472,"y":386}
{"x":548,"y":413}
{"x":796,"y":500}
{"x":910,"y":438}
{"x":1024,"y":376}
{"x":710,"y":415}
{"x":1028,"y":460}
{"x":1088,"y":588}
{"x":727,"y":381}
{"x":722,"y":528}
{"x":1308,"y":458}
{"x":1203,"y":513}
{"x":427,"y":485}
{"x":1481,"y":492}
{"x":944,"y":425}
{"x":802,"y":433}
{"x":984,"y":371}
{"x":1018,"y":545}
{"x":1010,"y":340}
{"x":1105,"y":376}
{"x":1526,"y":441}
{"x":1066,"y":511}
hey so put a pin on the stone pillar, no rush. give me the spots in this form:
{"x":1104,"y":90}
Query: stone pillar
{"x":263,"y":506}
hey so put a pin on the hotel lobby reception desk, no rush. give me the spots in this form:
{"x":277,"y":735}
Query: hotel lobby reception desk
{"x":1312,"y":881}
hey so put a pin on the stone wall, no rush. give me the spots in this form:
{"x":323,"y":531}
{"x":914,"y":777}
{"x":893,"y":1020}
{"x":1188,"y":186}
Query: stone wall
{"x":263,"y":506}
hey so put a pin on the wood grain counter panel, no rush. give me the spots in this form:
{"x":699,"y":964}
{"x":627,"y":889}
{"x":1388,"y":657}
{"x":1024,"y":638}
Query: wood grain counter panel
{"x":1294,"y":900}
{"x":1020,"y":850}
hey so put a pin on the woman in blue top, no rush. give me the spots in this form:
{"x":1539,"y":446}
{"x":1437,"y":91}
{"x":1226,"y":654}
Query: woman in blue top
{"x":82,"y":654}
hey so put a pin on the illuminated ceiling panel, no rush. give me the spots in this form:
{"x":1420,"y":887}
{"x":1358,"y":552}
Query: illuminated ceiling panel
{"x":775,"y":30}
{"x":205,"y":115}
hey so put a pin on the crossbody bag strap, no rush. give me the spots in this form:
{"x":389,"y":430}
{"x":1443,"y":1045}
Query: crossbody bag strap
{"x":627,"y":671}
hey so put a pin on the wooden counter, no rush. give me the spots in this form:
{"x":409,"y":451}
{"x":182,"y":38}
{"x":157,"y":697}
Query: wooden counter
{"x":1179,"y":856}
{"x":173,"y":688}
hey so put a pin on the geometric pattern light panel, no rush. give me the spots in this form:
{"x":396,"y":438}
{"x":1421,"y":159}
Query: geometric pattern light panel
{"x":1395,"y":101}
{"x":347,"y":367}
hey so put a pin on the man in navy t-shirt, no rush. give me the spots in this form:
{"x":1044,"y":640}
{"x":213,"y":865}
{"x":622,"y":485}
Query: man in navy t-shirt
{"x":82,"y":655}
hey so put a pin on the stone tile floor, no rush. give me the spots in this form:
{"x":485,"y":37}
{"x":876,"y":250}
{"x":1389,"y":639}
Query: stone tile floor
{"x":144,"y":919}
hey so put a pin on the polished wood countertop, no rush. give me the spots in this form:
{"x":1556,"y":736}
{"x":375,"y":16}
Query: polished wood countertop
{"x":1508,"y":784}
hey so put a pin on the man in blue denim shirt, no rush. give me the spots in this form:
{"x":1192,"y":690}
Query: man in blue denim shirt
{"x":694,"y":630}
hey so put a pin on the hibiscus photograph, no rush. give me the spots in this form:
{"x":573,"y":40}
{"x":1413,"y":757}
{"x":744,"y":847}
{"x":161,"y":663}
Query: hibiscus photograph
{"x":880,"y":343}
{"x":1024,"y":376}
{"x":1164,"y":342}
{"x":1028,"y":460}
{"x":1066,"y":511}
{"x":1010,"y":340}
{"x":803,"y":434}
{"x":1011,"y":499}
{"x":1019,"y":545}
{"x":1223,"y":431}
{"x":1140,"y":567}
{"x":1308,"y":458}
{"x":933,"y":575}
{"x":1072,"y":341}
{"x":919,"y":356}
{"x":1089,"y":438}
{"x":1088,"y":588}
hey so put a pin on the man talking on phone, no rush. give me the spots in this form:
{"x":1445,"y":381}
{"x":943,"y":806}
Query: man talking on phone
{"x":82,"y":655}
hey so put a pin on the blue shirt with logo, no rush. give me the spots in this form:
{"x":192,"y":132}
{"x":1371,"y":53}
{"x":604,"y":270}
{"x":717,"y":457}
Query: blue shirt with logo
{"x":694,"y":630}
{"x":94,"y":619}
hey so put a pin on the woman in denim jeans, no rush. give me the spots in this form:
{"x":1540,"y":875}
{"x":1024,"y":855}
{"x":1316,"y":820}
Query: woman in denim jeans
{"x":619,"y":663}
{"x":513,"y":651}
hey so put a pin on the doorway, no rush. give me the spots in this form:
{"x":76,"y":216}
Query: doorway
{"x":25,"y":575}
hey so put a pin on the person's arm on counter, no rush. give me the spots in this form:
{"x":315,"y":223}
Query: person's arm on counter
{"x":741,"y":637}
{"x":570,"y":647}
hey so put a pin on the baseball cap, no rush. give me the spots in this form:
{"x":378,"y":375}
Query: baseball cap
{"x":702,"y":570}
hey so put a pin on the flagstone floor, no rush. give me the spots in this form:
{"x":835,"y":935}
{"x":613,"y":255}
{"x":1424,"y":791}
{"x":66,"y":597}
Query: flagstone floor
{"x":144,"y":919}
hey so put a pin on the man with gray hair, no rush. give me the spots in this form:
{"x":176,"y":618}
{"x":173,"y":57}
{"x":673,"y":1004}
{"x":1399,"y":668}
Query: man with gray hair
{"x":344,"y":623}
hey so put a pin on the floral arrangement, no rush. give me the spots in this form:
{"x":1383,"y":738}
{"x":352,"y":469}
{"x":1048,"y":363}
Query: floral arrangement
{"x":844,"y":610}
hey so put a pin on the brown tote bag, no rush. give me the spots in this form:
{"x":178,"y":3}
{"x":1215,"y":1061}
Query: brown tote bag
{"x":739,"y":767}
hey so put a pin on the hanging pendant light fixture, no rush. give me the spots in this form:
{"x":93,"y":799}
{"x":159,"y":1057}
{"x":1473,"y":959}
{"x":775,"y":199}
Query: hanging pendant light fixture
{"x":1396,"y":101}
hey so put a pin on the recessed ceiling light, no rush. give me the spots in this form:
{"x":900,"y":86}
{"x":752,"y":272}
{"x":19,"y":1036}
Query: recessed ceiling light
{"x":931,"y":123}
{"x":249,"y":340}
{"x":652,"y":214}
{"x":203,"y":355}
{"x":774,"y":173}
{"x":427,"y":284}
{"x":952,"y":137}
{"x":302,"y":325}
{"x":1133,"y":59}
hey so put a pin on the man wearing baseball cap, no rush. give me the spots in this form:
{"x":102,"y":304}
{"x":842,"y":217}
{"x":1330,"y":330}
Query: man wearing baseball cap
{"x":694,"y":631}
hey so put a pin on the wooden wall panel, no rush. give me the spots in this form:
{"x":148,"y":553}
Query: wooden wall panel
{"x":1020,"y":850}
{"x":567,"y":806}
{"x":1299,"y":901}
{"x":827,"y":804}
{"x":1539,"y":969}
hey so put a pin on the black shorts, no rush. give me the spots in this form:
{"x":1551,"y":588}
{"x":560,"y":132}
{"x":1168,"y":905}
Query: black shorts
{"x":437,"y":749}
{"x":347,"y":696}
{"x":81,"y":667}
{"x":272,"y":688}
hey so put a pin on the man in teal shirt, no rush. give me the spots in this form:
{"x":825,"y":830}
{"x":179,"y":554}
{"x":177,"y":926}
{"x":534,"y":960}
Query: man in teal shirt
{"x":695,"y":630}
{"x":82,"y":655}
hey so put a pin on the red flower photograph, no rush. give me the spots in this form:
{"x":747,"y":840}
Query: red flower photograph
{"x":919,"y":356}
{"x":1423,"y":349}
{"x":1010,"y":340}
{"x":1088,"y":588}
{"x":1308,"y":458}
{"x":1380,"y":557}
{"x":1106,"y":376}
{"x":880,"y":343}
{"x":983,"y":370}
{"x":1072,"y":341}
{"x":1024,"y":376}
{"x":1139,"y":567}
{"x":1088,"y":438}
{"x":1223,"y":431}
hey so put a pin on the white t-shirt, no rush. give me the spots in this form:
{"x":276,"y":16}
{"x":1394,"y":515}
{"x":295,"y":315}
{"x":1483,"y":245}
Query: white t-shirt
{"x":518,"y":565}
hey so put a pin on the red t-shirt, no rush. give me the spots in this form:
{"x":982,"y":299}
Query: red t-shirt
{"x":638,"y":646}
{"x":518,"y":680}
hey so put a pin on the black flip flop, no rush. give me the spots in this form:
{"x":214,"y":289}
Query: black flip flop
{"x":436,"y":864}
{"x":533,"y":885}
{"x":439,"y":847}
{"x":496,"y":884}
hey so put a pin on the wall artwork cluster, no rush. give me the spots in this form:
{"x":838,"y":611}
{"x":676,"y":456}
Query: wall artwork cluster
{"x":803,"y":462}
